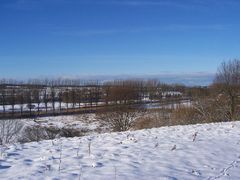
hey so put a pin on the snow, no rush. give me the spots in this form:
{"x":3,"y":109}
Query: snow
{"x":183,"y":103}
{"x":208,"y":151}
{"x":87,"y":121}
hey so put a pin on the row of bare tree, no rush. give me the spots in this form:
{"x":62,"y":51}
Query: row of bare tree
{"x":55,"y":97}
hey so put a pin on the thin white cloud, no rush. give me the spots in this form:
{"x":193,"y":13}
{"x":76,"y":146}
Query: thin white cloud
{"x":171,"y":27}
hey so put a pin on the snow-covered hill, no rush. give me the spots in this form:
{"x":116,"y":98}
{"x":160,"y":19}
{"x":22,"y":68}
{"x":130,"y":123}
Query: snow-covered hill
{"x":209,"y":151}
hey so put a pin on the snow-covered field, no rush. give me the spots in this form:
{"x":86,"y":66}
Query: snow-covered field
{"x":209,"y":151}
{"x":83,"y":121}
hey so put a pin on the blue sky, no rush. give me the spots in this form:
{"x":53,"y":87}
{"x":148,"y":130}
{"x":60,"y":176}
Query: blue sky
{"x":114,"y":37}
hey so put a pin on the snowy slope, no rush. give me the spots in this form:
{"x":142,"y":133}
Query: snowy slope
{"x":164,"y":153}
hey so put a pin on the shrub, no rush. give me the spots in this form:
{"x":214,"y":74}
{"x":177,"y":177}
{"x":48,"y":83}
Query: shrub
{"x":10,"y":131}
{"x":119,"y":118}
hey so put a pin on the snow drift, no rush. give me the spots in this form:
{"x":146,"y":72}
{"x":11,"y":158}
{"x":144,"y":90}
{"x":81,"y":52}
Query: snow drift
{"x":208,"y":151}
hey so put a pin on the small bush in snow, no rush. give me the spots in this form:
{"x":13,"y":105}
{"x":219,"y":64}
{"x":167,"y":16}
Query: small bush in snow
{"x":9,"y":131}
{"x":119,"y":118}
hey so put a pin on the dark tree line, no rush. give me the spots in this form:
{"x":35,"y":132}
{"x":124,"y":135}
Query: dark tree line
{"x":56,"y":96}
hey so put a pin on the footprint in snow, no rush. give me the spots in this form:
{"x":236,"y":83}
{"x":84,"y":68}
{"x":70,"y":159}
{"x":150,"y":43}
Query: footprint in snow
{"x":174,"y":148}
{"x":28,"y":162}
{"x":12,"y":154}
{"x":115,"y":154}
{"x":97,"y":164}
{"x":196,"y":173}
{"x":168,"y":178}
{"x":4,"y":167}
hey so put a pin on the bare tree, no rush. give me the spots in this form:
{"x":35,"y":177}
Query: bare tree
{"x":152,"y":86}
{"x":66,"y":97}
{"x":122,"y":92}
{"x":29,"y":99}
{"x":53,"y":97}
{"x":120,"y":118}
{"x":60,"y":99}
{"x":97,"y":94}
{"x":106,"y":92}
{"x":20,"y":99}
{"x":36,"y":98}
{"x":3,"y":98}
{"x":85,"y":96}
{"x":73,"y":97}
{"x":9,"y":131}
{"x":90,"y":96}
{"x":227,"y":83}
{"x":79,"y":97}
{"x":45,"y":99}
{"x":12,"y":100}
